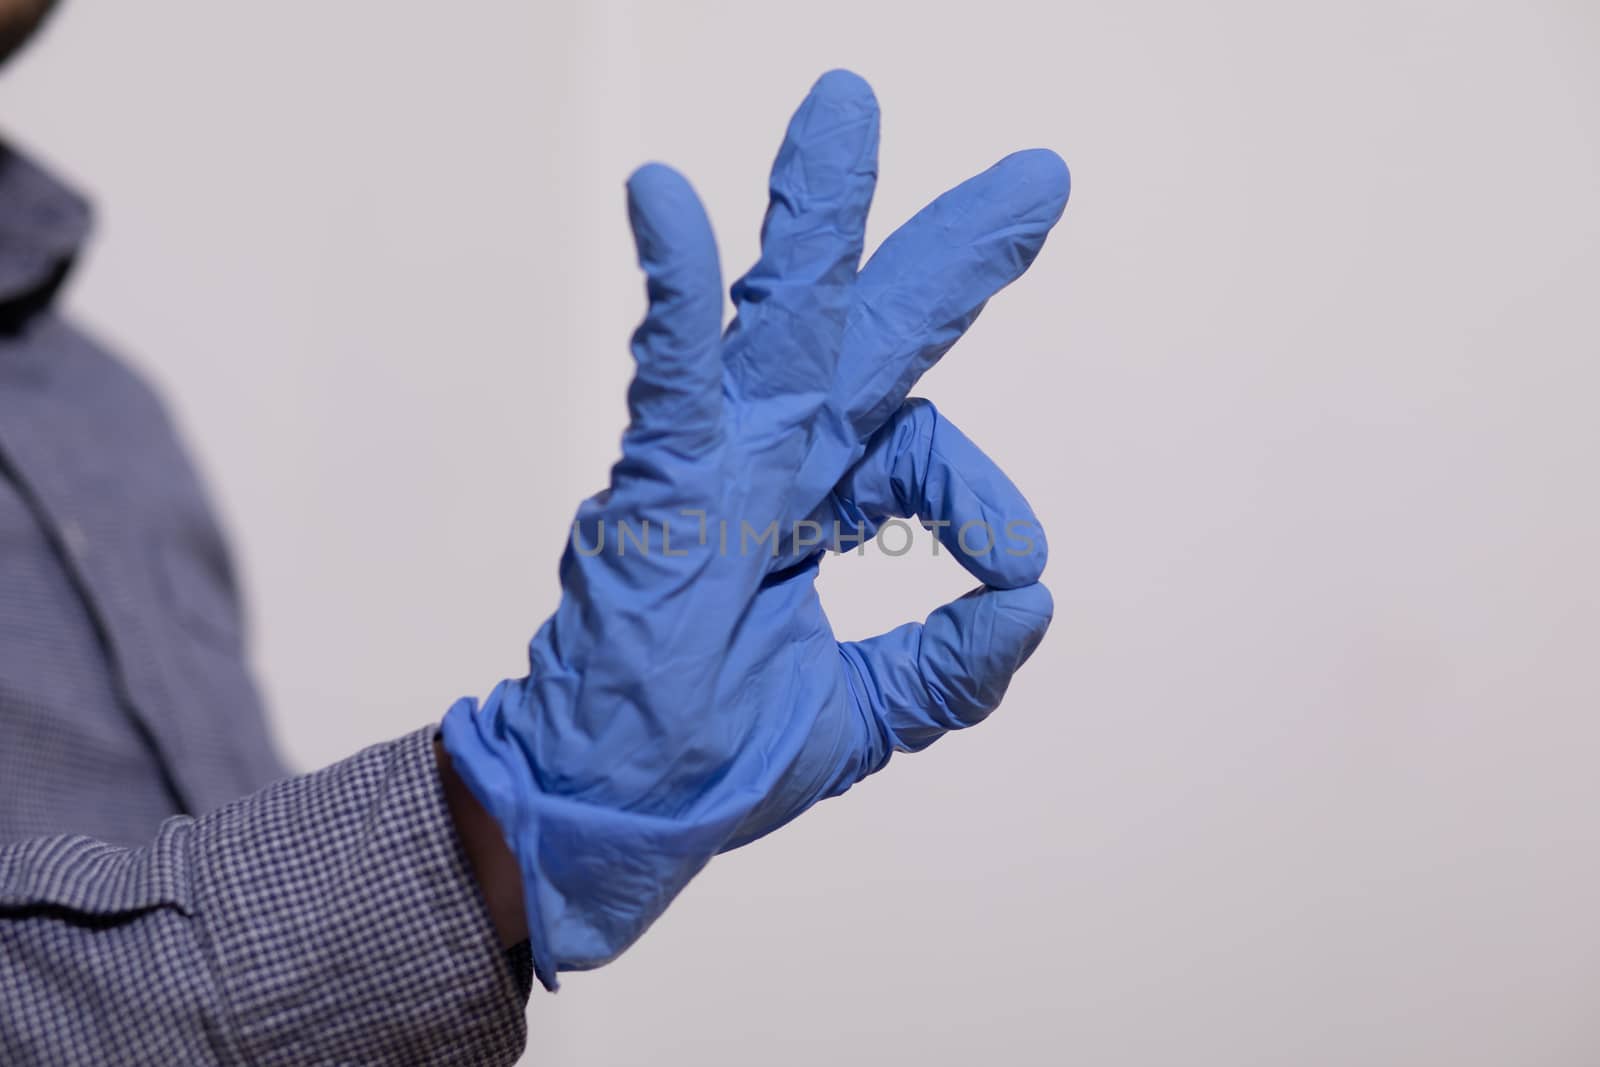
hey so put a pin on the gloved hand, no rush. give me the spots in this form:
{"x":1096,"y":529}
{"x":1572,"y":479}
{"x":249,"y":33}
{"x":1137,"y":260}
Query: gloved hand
{"x":688,"y":694}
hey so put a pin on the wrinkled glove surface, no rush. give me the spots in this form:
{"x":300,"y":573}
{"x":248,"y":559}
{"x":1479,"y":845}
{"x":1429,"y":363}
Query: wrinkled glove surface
{"x":688,"y":695}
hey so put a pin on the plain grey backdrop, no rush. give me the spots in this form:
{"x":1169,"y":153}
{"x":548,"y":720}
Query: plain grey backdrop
{"x":1304,"y":387}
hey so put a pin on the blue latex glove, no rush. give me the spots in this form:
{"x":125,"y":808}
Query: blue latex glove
{"x":688,"y":694}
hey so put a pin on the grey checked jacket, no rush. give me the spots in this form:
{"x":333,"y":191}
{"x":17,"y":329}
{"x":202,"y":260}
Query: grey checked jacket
{"x":148,"y":914}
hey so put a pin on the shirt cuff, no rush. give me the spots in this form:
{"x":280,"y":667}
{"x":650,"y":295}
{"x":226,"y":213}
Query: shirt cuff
{"x":345,"y":925}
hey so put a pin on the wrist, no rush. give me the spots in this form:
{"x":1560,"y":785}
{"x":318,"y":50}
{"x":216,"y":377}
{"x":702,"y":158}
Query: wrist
{"x":493,"y":864}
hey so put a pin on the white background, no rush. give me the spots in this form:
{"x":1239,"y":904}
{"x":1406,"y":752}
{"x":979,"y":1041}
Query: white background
{"x":1304,"y":387}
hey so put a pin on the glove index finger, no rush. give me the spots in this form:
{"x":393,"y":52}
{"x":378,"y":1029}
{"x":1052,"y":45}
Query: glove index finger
{"x":919,"y":465}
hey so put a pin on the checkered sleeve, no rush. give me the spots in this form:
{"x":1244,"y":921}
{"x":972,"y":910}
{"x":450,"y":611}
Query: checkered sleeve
{"x":329,"y":919}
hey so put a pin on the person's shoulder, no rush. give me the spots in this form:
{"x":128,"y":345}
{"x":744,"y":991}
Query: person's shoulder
{"x":100,"y":376}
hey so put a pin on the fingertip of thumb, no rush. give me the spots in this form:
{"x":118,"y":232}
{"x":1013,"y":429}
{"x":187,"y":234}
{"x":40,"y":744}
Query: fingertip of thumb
{"x":981,"y":641}
{"x":1024,"y":615}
